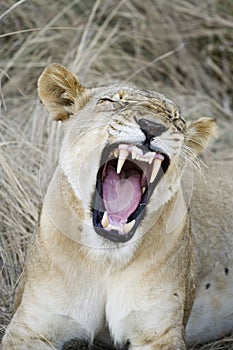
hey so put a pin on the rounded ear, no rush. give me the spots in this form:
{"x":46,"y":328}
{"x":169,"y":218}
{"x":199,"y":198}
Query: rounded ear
{"x":61,"y":92}
{"x":198,"y":133}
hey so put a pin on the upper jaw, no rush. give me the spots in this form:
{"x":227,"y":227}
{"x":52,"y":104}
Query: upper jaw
{"x":127,"y":177}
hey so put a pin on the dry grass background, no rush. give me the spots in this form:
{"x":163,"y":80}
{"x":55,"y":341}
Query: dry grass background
{"x":182,"y":48}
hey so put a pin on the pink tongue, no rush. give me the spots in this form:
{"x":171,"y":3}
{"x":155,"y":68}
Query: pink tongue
{"x":121,"y":196}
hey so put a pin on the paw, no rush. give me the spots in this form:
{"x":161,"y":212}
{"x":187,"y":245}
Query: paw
{"x":160,"y":345}
{"x":25,"y":344}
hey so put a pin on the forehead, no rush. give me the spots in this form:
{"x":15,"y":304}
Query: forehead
{"x":133,"y":95}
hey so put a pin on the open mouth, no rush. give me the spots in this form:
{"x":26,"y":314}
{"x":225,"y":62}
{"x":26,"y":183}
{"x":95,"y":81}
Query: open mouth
{"x":125,"y":182}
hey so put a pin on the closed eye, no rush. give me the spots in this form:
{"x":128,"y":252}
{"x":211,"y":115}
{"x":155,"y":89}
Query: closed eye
{"x":180,"y":124}
{"x":107,"y":104}
{"x":106,"y":99}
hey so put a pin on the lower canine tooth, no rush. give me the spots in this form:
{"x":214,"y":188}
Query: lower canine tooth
{"x":155,"y":169}
{"x":105,"y":221}
{"x":128,"y":227}
{"x":123,"y":154}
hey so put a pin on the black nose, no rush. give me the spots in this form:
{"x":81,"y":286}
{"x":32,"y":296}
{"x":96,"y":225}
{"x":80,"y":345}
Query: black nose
{"x":151,"y":129}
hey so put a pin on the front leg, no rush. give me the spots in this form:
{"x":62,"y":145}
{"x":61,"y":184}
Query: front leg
{"x":40,"y":330}
{"x":145,"y":331}
{"x":172,"y":340}
{"x":149,"y":318}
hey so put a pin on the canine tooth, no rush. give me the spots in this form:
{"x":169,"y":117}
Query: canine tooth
{"x":143,"y":189}
{"x":155,"y":169}
{"x":123,"y":154}
{"x":128,"y":227}
{"x":105,"y":221}
{"x":123,"y":146}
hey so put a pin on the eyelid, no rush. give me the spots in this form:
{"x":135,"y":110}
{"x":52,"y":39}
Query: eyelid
{"x":103,"y":99}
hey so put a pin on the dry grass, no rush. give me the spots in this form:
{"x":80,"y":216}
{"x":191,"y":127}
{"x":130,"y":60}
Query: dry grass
{"x":181,"y":48}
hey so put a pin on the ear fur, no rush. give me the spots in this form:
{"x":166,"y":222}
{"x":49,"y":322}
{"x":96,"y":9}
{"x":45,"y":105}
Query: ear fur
{"x":61,"y":92}
{"x":198,"y":133}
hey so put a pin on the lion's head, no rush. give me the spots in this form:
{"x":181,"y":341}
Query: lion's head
{"x":123,"y":150}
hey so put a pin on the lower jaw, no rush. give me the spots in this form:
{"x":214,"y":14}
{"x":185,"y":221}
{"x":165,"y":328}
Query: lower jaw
{"x":114,"y":235}
{"x":121,"y":237}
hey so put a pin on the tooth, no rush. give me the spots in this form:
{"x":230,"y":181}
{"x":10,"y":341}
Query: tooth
{"x":117,"y":228}
{"x":105,"y":221}
{"x":150,"y":160}
{"x":143,"y":189}
{"x":156,"y":166}
{"x":150,"y":154}
{"x":137,"y":150}
{"x":124,"y":146}
{"x":123,"y":154}
{"x":116,"y":153}
{"x":133,"y":155}
{"x":128,"y":227}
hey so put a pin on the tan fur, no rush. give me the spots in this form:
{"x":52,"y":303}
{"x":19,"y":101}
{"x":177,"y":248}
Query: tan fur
{"x":79,"y":284}
{"x":59,"y":90}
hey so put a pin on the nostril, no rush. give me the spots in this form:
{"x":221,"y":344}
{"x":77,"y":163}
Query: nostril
{"x":150,"y":128}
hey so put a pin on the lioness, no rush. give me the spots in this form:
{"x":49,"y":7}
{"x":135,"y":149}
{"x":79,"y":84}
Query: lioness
{"x":120,"y":250}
